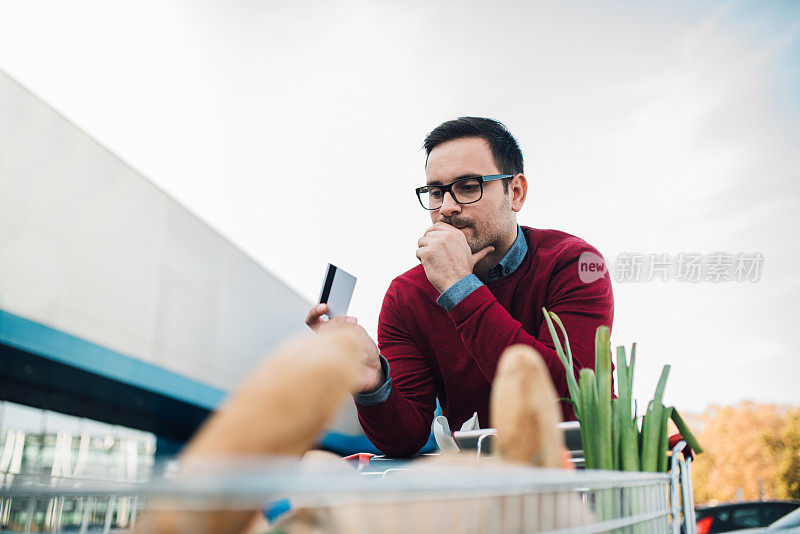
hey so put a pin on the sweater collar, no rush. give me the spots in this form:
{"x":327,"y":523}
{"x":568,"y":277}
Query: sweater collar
{"x":511,"y":261}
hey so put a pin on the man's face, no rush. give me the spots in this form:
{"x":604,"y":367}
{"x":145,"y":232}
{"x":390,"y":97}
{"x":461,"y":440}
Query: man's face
{"x":484,"y":222}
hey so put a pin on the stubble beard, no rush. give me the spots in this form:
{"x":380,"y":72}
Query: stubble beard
{"x":492,"y":234}
{"x":479,"y":241}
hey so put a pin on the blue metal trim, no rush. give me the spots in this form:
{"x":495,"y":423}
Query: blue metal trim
{"x":42,"y":340}
{"x":345,"y":444}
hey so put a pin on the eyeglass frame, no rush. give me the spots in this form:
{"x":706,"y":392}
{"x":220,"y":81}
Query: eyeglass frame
{"x":448,"y":188}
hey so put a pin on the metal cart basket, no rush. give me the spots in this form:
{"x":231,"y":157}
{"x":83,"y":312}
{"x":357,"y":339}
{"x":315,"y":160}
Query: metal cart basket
{"x":421,"y":496}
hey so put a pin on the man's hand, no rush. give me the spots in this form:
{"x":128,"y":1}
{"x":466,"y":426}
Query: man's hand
{"x":372,"y":373}
{"x":446,"y":256}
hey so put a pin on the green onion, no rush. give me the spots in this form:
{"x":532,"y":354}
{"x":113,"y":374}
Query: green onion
{"x":663,"y":445}
{"x":566,"y":359}
{"x":588,"y":424}
{"x":602,"y":365}
{"x":616,"y":433}
{"x":629,"y":439}
{"x":609,"y":431}
{"x":686,"y":434}
{"x":651,"y":426}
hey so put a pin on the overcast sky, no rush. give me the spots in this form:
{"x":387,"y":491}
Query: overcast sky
{"x":294,"y":129}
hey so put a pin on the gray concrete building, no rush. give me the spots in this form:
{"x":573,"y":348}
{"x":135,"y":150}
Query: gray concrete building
{"x":116,"y":303}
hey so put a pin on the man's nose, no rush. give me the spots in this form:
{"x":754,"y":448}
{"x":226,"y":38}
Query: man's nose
{"x":449,"y":205}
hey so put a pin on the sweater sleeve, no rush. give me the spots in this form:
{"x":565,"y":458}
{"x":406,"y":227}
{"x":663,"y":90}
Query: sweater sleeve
{"x":400,"y":426}
{"x":487,"y":328}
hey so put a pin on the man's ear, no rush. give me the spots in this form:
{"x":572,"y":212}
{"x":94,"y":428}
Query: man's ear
{"x":518,"y":189}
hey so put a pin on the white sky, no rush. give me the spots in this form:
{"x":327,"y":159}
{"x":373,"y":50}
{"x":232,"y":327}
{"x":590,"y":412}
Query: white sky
{"x":294,"y":129}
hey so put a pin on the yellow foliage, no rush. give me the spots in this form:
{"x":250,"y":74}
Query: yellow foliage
{"x":787,"y":449}
{"x":751,"y":452}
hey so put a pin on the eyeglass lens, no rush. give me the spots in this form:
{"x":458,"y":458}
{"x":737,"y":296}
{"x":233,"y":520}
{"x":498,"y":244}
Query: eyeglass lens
{"x":464,"y":191}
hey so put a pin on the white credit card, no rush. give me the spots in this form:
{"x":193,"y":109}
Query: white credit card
{"x":337,"y":290}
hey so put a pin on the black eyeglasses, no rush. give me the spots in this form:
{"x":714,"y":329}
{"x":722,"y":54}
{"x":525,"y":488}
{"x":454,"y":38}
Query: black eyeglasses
{"x":464,"y":191}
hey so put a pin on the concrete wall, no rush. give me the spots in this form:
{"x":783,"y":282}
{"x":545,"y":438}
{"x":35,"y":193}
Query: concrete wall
{"x":91,"y":248}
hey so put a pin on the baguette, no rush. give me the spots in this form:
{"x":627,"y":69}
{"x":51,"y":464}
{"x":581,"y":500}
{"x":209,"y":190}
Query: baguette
{"x":280,"y":410}
{"x":524,"y":409}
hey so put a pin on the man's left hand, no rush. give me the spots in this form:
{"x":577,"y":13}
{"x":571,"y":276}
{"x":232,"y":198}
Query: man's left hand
{"x":446,"y":256}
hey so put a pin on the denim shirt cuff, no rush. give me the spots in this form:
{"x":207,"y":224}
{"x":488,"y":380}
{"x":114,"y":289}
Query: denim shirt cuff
{"x":382,"y":393}
{"x":458,"y":292}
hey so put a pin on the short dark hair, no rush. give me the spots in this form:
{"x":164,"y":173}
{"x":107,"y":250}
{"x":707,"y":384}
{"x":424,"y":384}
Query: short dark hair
{"x":506,"y":152}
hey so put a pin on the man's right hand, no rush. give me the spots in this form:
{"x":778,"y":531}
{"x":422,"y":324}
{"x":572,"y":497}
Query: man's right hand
{"x":372,"y":374}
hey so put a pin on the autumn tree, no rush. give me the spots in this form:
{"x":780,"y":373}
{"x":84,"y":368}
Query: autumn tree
{"x":748,"y":452}
{"x":786,"y":448}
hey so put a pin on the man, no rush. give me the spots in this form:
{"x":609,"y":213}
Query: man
{"x":480,"y":287}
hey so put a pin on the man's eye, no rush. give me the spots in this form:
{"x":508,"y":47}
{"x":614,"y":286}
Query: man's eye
{"x":435,"y":193}
{"x":468,"y":187}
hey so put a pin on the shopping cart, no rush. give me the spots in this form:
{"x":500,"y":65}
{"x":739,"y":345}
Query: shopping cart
{"x":418,"y":496}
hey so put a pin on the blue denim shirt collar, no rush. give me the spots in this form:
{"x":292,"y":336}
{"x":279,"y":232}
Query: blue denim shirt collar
{"x":455,"y":294}
{"x":511,"y":261}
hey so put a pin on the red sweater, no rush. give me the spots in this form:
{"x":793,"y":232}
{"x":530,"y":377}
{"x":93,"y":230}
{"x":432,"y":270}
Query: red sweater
{"x":453,"y":355}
